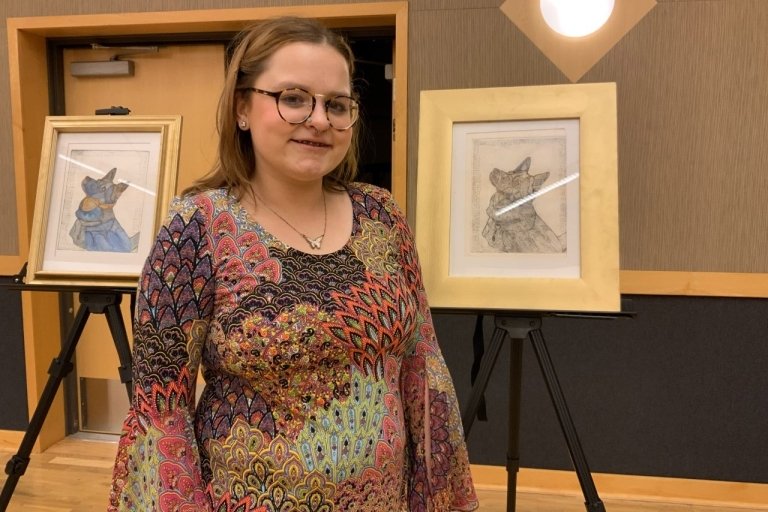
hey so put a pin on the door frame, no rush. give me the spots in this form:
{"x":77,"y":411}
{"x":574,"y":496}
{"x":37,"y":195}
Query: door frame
{"x":29,"y":87}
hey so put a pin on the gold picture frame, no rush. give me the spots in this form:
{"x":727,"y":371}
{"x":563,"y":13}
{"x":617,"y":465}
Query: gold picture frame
{"x":484,"y":154}
{"x":104,"y":185}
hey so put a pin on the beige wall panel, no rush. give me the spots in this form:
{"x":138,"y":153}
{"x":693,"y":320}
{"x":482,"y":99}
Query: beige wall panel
{"x":428,"y":5}
{"x":692,"y":120}
{"x":692,"y":124}
{"x":8,"y":232}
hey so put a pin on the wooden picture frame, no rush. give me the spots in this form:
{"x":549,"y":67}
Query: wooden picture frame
{"x":104,"y":185}
{"x":517,"y":198}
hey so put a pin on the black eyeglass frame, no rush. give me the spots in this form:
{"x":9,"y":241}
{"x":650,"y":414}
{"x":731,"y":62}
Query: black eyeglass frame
{"x":276,"y":95}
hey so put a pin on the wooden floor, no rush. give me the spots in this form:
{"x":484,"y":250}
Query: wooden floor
{"x":74,"y":475}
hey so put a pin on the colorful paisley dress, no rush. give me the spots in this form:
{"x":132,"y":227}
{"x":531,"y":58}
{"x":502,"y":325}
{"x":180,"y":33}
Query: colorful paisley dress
{"x":325,"y":389}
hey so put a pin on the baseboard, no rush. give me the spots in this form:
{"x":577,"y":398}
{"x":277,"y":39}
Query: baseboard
{"x":629,"y":487}
{"x":10,"y":440}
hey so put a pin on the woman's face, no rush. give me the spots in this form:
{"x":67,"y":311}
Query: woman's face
{"x":297,"y":152}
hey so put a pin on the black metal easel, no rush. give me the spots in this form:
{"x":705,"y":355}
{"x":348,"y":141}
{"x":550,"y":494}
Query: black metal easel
{"x":92,"y":300}
{"x":518,"y":328}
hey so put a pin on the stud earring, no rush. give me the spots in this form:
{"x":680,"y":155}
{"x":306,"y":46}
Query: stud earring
{"x":243,"y":124}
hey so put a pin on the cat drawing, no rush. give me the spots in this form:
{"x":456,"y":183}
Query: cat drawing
{"x":96,"y":228}
{"x":519,"y":229}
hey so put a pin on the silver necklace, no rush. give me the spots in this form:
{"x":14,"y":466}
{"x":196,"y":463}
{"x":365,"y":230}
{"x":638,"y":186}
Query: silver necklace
{"x":314,"y":243}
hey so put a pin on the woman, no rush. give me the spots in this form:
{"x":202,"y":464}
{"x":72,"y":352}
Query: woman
{"x":300,"y":293}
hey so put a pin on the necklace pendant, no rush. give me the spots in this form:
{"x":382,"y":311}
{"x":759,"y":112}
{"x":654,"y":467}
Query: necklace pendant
{"x":314,"y":242}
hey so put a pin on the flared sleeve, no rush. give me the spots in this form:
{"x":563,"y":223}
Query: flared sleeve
{"x":439,"y":478}
{"x":157,"y":466}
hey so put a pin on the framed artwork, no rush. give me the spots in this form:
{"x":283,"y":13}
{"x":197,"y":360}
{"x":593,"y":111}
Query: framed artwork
{"x":517,"y":198}
{"x":104,"y":185}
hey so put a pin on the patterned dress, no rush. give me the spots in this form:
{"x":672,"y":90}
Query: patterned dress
{"x":325,"y":389}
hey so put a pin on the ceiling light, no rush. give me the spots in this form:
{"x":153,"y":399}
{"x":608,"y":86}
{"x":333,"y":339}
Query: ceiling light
{"x":576,"y":18}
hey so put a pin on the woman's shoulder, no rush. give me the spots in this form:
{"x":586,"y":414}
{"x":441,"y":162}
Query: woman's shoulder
{"x":203,"y":203}
{"x":366,"y":192}
{"x":377,"y":202}
{"x":369,"y":189}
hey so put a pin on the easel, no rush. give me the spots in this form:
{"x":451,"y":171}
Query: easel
{"x":518,"y":328}
{"x":92,"y":300}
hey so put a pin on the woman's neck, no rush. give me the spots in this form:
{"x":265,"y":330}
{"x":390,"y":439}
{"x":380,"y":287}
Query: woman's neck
{"x":289,"y":196}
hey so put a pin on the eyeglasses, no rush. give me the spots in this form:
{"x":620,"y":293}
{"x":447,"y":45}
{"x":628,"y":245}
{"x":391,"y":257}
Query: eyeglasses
{"x":296,"y":105}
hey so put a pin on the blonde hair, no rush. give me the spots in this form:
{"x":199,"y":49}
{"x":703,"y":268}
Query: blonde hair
{"x":251,"y":49}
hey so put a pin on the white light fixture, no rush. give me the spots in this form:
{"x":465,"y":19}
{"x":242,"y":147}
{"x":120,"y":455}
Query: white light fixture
{"x":576,"y":18}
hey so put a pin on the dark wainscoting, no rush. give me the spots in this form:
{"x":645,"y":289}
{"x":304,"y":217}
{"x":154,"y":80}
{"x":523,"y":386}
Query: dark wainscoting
{"x":13,"y":387}
{"x":678,"y":391}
